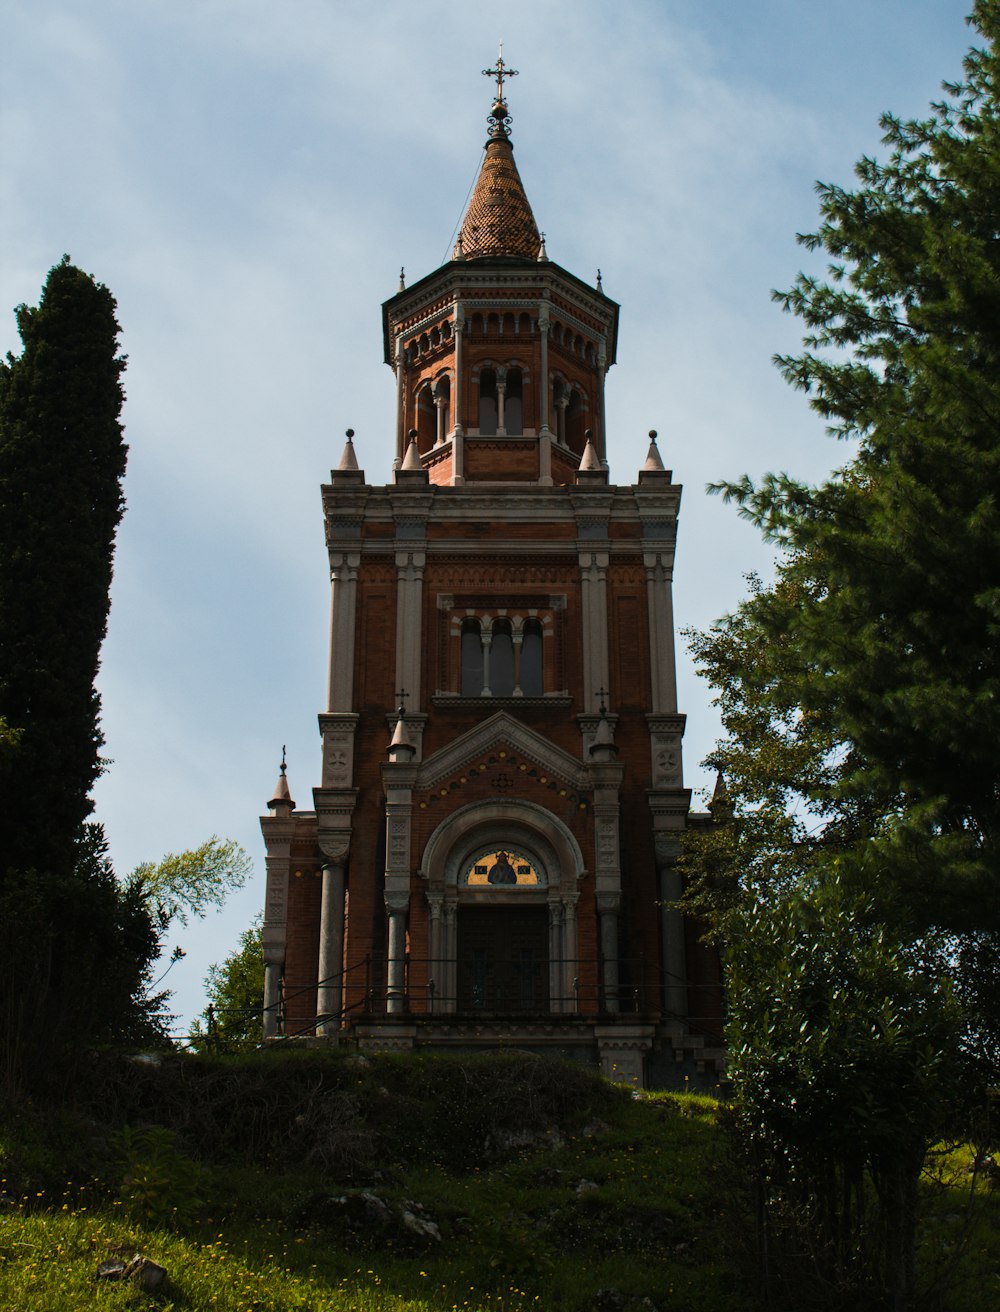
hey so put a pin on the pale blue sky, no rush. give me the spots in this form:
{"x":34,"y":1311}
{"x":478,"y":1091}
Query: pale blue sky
{"x":248,"y":178}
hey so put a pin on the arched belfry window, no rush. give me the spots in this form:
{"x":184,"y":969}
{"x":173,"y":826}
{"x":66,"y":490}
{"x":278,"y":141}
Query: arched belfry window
{"x":575,"y":422}
{"x":488,"y":403}
{"x":472,"y":659}
{"x":502,"y":660}
{"x":513,"y":407}
{"x":532,"y":680}
{"x":426,"y":424}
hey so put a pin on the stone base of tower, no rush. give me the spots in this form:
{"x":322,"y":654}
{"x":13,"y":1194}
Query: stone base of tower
{"x":641,"y":1054}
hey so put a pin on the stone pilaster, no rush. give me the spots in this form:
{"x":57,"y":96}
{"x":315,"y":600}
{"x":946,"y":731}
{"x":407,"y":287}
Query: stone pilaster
{"x":397,"y":780}
{"x":343,"y":610}
{"x":278,"y":833}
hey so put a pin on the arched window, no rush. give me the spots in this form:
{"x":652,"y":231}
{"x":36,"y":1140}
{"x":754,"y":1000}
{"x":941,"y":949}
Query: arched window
{"x":532,"y":683}
{"x":502,"y":660}
{"x":493,"y":325}
{"x":488,"y":403}
{"x":426,"y":424}
{"x":575,"y":423}
{"x":472,"y":659}
{"x":513,"y":411}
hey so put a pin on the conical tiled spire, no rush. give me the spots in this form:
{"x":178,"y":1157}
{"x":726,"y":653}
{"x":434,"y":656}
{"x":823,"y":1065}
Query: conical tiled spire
{"x":499,"y":220}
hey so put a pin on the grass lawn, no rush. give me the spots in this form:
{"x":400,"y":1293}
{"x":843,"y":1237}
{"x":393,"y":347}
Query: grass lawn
{"x":528,"y":1186}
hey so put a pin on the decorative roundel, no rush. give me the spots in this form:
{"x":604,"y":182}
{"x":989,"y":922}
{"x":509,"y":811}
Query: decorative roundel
{"x":503,"y":867}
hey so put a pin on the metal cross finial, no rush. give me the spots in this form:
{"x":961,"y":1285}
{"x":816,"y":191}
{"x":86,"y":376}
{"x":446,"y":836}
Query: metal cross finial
{"x":402,"y":695}
{"x":602,"y":692}
{"x":284,"y":763}
{"x":500,"y":72}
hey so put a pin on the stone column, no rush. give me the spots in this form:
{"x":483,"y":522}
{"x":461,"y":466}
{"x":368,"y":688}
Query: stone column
{"x":556,"y":1000}
{"x":487,"y":641}
{"x":501,"y":399}
{"x":396,"y":907}
{"x":517,"y":639}
{"x":441,"y":405}
{"x":272,"y":997}
{"x":571,"y":965}
{"x":449,"y":953}
{"x":561,"y":405}
{"x":435,"y":966}
{"x":330,"y":992}
{"x":607,"y":906}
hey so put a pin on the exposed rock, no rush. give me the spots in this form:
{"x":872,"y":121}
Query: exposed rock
{"x":518,"y":1139}
{"x":586,"y":1187}
{"x":595,"y":1128}
{"x":364,"y":1216}
{"x":145,"y":1273}
{"x":420,"y":1226}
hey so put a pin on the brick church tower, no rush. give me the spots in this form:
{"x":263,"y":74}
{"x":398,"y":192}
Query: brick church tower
{"x":492,"y":842}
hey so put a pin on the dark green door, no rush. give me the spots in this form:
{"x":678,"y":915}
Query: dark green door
{"x":503,"y":960}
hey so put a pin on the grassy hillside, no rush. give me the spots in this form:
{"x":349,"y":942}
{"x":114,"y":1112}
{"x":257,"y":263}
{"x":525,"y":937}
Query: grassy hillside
{"x":327,"y":1181}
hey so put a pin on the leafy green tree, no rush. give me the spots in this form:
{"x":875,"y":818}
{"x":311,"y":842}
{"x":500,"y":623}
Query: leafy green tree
{"x":853,"y":884}
{"x":184,"y":884}
{"x":62,"y":460}
{"x":232,"y":1020}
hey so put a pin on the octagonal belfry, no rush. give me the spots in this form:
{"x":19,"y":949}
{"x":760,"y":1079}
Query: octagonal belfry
{"x":490,"y":856}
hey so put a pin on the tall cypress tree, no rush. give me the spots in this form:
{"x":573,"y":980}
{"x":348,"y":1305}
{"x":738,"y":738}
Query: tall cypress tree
{"x":62,"y":459}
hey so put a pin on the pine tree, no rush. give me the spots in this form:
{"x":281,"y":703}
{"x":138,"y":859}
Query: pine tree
{"x":62,"y":459}
{"x":889,"y":594}
{"x":853,"y":881}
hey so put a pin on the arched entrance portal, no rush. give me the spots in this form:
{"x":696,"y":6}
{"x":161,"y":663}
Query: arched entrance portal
{"x":503,"y":935}
{"x":502,"y":888}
